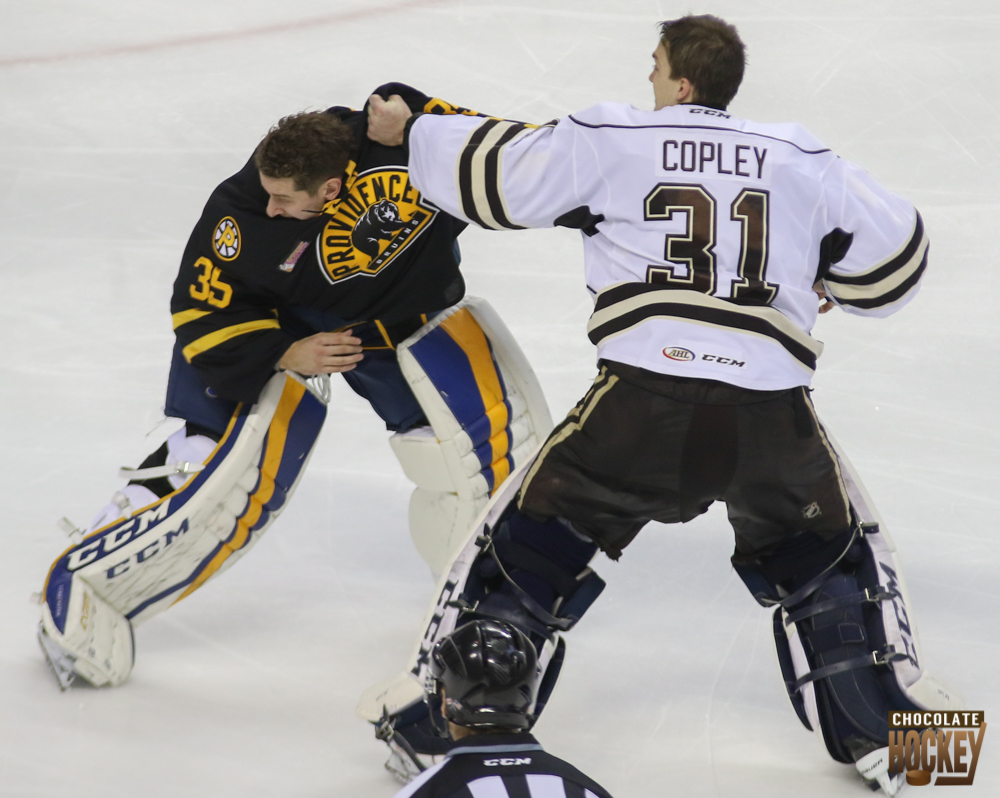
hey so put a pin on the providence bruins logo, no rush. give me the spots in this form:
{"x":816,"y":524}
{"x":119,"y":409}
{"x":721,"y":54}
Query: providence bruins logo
{"x":378,"y":217}
{"x":226,"y":239}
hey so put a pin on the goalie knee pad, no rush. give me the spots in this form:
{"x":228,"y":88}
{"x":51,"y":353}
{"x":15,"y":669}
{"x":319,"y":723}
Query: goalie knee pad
{"x":487,"y":414}
{"x":156,"y":553}
{"x":529,"y":573}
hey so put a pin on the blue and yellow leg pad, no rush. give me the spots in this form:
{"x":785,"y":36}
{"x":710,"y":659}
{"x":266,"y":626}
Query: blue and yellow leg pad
{"x":487,"y":415}
{"x":136,"y":567}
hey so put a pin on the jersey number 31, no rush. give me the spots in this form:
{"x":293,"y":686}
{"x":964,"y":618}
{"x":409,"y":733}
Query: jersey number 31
{"x":694,"y":247}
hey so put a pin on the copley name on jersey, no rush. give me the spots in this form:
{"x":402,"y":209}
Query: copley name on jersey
{"x":378,"y":216}
{"x":717,"y":157}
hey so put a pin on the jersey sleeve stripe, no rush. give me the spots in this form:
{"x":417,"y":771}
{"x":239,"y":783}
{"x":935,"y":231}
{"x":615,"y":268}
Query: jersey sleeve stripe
{"x":627,"y":305}
{"x":493,"y":178}
{"x":890,"y":296}
{"x":185,"y":316}
{"x":906,"y":255}
{"x":465,"y":170}
{"x":479,"y":174}
{"x":886,"y":283}
{"x":206,"y":342}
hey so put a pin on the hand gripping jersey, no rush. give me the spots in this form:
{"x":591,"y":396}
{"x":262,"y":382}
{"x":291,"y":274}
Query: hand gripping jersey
{"x":379,"y":252}
{"x":703,"y":233}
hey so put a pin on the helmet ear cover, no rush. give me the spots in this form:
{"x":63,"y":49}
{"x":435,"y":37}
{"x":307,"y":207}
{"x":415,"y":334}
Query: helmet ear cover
{"x":489,"y":672}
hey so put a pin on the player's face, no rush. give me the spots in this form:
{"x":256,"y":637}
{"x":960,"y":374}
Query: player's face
{"x":286,"y":200}
{"x":666,"y":90}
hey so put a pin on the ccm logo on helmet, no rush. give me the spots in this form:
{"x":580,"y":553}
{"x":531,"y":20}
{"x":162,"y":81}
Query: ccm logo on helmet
{"x":521,"y":760}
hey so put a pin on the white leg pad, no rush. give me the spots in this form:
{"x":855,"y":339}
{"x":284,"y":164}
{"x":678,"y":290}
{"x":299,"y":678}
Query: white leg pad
{"x":153,"y":556}
{"x":487,"y":414}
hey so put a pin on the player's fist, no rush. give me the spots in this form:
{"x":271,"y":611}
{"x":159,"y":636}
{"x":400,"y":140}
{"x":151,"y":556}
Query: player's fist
{"x":323,"y":353}
{"x":387,"y":119}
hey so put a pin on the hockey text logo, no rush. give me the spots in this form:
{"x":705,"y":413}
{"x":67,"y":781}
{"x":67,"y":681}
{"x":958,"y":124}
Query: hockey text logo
{"x":925,"y":743}
{"x":128,"y":532}
{"x":902,"y":618}
{"x":226,"y":239}
{"x":433,"y":631}
{"x":378,"y":217}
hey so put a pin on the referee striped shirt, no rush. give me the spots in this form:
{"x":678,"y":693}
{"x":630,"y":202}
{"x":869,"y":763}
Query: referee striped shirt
{"x":502,"y":766}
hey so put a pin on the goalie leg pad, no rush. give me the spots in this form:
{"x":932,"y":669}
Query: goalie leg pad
{"x":845,"y":643}
{"x":533,"y":574}
{"x":487,"y":415}
{"x":161,"y":553}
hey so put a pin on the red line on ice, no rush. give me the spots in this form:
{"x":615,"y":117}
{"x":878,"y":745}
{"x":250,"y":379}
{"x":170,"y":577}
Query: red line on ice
{"x":209,"y":38}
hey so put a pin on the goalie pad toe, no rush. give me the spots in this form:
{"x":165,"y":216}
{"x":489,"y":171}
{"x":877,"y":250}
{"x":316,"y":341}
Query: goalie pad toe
{"x":95,"y":641}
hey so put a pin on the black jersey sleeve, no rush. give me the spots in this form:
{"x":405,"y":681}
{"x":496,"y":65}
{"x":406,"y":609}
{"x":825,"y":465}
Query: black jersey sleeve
{"x":419,"y":102}
{"x":228,"y":332}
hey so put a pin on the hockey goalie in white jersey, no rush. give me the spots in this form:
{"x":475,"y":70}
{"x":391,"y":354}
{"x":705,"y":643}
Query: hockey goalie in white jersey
{"x":706,"y":240}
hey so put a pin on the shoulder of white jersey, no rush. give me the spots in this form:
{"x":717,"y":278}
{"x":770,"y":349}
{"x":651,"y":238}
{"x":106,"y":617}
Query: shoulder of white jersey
{"x":695,"y":117}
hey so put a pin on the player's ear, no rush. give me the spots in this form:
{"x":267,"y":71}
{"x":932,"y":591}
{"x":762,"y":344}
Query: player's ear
{"x":685,"y":91}
{"x":331,"y":188}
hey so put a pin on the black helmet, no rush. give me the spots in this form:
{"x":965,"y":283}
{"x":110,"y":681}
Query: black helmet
{"x":489,"y":671}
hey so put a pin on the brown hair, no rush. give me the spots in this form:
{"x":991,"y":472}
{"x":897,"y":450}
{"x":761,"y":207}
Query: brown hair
{"x":708,"y":52}
{"x":310,"y":148}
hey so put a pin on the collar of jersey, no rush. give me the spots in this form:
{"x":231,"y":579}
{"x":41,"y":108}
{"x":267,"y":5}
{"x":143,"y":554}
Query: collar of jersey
{"x":506,"y":743}
{"x":350,"y":175}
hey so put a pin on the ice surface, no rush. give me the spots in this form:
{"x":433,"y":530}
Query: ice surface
{"x":116,"y":120}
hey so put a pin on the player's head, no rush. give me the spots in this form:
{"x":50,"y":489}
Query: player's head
{"x":488,"y":674}
{"x":700,"y":59}
{"x":302,"y":161}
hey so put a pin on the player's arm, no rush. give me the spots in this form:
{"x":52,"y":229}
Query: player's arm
{"x":496,"y":173}
{"x":235,"y":341}
{"x":873,"y":259}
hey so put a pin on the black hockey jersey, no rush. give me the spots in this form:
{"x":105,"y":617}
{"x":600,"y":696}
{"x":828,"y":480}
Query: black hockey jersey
{"x":377,"y":252}
{"x":502,"y":766}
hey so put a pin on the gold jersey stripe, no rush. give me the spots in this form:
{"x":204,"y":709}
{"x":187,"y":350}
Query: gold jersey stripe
{"x":206,"y":342}
{"x":188,"y":315}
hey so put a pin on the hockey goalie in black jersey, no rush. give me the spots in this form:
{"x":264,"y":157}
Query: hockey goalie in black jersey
{"x":706,"y":241}
{"x":318,"y":257}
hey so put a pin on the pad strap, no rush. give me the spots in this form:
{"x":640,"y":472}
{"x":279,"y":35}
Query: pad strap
{"x":155,"y":472}
{"x":884,"y":656}
{"x":868,"y":595}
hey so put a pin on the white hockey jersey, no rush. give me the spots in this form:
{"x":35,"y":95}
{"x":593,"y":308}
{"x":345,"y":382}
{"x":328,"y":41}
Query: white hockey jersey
{"x":703,"y":233}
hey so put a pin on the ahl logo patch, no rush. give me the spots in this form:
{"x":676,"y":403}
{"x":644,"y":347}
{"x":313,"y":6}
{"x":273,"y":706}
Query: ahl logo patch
{"x":226,"y":239}
{"x":678,"y":353}
{"x":381,"y":214}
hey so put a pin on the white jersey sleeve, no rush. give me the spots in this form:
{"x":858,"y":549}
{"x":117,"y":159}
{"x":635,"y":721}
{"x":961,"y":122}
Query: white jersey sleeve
{"x":704,"y":234}
{"x":499,"y":165}
{"x":883,"y":246}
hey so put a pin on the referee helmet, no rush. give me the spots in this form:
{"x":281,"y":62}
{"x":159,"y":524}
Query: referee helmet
{"x":489,"y":672}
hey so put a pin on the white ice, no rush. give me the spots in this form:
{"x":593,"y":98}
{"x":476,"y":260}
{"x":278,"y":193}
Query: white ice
{"x":117,"y":119}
